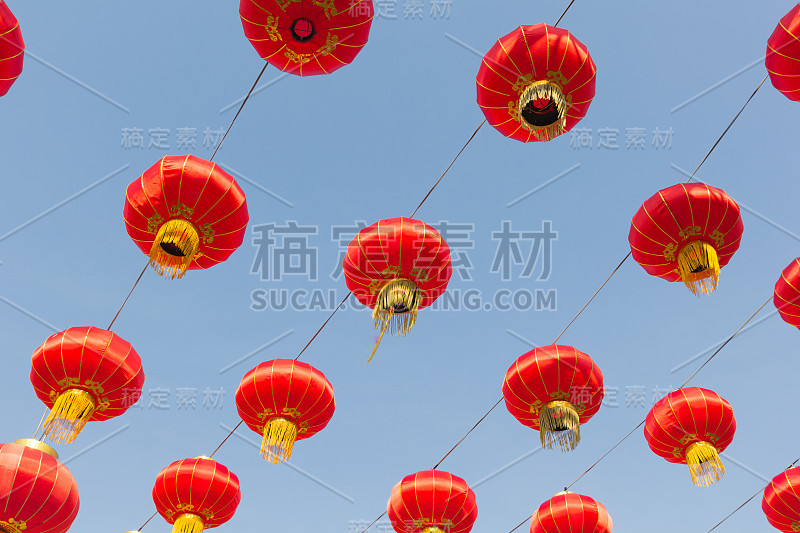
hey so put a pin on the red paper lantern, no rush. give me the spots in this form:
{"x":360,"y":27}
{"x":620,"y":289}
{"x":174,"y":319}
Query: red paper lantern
{"x":687,"y":232}
{"x":692,"y":426}
{"x":573,"y":513}
{"x":787,"y":294}
{"x":284,"y":400}
{"x":432,"y":501}
{"x":196,"y":494}
{"x":12,"y":49}
{"x":536,"y":83}
{"x":37,"y":493}
{"x":783,"y":55}
{"x":307,"y":38}
{"x":186,"y":213}
{"x":781,"y":502}
{"x":397,"y":266}
{"x":84,"y":374}
{"x":554,"y":389}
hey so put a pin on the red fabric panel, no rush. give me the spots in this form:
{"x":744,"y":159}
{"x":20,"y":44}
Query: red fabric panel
{"x":678,"y":215}
{"x":341,"y":29}
{"x":192,"y":189}
{"x":432,"y":498}
{"x":783,"y":55}
{"x":90,"y":359}
{"x":12,"y":49}
{"x":37,"y":489}
{"x":528,"y":54}
{"x":686,"y":416}
{"x":781,"y":501}
{"x":289,"y":389}
{"x":568,"y":512}
{"x":551,"y":373}
{"x":207,"y":486}
{"x":397,"y":248}
{"x":787,"y":293}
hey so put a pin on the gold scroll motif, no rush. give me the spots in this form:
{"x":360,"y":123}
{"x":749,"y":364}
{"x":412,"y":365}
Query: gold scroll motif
{"x":579,"y":407}
{"x":13,"y":526}
{"x":294,"y":57}
{"x":154,"y":222}
{"x":93,"y":387}
{"x":328,"y":6}
{"x":271,"y":27}
{"x":331,"y":42}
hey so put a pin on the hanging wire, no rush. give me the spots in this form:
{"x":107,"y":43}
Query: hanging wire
{"x":726,"y":129}
{"x":148,"y":521}
{"x":35,"y":433}
{"x":474,"y":133}
{"x":751,"y":498}
{"x":128,"y":296}
{"x":226,"y":438}
{"x":564,"y":13}
{"x":323,"y":325}
{"x":246,"y":98}
{"x":467,"y":434}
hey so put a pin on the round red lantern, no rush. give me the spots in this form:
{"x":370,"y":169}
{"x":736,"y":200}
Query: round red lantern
{"x":84,"y":374}
{"x":396,"y":267}
{"x":554,"y":389}
{"x":692,"y":426}
{"x":37,"y":493}
{"x":283,"y":401}
{"x":783,"y":55}
{"x":196,"y":494}
{"x":687,"y":232}
{"x":432,"y":501}
{"x":781,"y":502}
{"x":307,"y":38}
{"x":12,"y":49}
{"x":186,"y":213}
{"x":536,"y":83}
{"x":787,"y":294}
{"x":567,"y":511}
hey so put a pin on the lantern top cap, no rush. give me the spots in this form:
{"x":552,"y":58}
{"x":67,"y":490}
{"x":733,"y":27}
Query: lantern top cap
{"x":37,"y":445}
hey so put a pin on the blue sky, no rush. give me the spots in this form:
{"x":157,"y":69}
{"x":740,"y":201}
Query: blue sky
{"x":366,"y":143}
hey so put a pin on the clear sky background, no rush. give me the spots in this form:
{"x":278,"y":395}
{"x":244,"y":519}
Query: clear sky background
{"x":363,"y":144}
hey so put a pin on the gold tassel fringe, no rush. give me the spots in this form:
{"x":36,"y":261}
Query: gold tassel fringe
{"x":70,"y":413}
{"x":279,"y":437}
{"x":188,"y":523}
{"x":698,"y":266}
{"x":398,"y":303}
{"x":559,"y":426}
{"x":544,"y":90}
{"x":704,"y":464}
{"x":174,"y":248}
{"x":432,"y":529}
{"x":396,"y":309}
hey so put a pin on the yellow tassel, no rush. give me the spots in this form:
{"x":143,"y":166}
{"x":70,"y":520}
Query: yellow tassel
{"x":175,"y":248}
{"x":396,"y":309}
{"x":698,"y":266}
{"x":279,"y":437}
{"x":398,"y":303}
{"x":188,"y":523}
{"x":70,"y":413}
{"x":432,"y":529}
{"x":704,"y":464}
{"x":559,"y":426}
{"x":548,"y":122}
